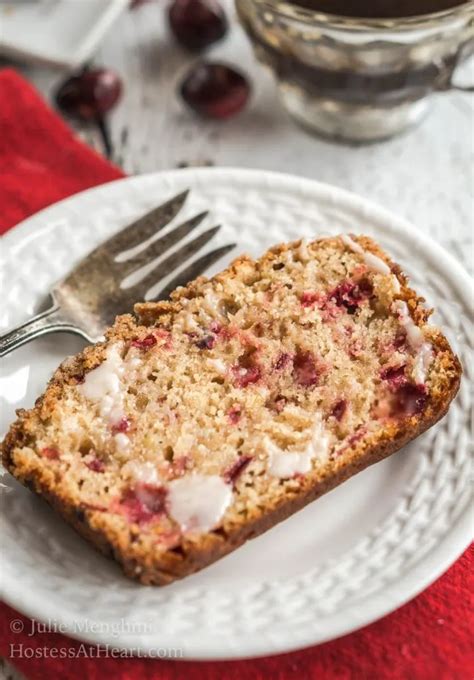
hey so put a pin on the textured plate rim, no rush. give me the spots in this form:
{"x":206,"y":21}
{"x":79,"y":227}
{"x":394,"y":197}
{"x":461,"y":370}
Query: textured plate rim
{"x":374,"y":606}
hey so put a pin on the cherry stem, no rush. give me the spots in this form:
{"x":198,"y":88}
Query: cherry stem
{"x":103,"y":128}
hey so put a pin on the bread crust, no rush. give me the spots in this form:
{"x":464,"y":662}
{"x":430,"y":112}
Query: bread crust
{"x":158,"y":567}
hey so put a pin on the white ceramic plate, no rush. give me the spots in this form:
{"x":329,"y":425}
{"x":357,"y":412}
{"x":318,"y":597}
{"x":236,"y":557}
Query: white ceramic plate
{"x":56,"y":32}
{"x":349,"y":558}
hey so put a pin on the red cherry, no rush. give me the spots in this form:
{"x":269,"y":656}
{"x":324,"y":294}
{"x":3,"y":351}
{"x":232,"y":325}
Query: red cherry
{"x":90,"y":94}
{"x":196,"y":24}
{"x":215,"y":90}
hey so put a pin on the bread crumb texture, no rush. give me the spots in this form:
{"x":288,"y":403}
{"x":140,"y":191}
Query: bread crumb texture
{"x":207,"y":419}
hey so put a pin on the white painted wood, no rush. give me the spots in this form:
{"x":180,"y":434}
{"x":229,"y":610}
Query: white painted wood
{"x":425,"y":175}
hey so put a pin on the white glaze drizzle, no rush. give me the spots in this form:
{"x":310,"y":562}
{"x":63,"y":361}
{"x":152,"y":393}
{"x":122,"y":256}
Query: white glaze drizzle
{"x":144,"y":472}
{"x":122,"y":442}
{"x":376,"y":264}
{"x":414,"y":335}
{"x":372,"y":261}
{"x":416,"y":340}
{"x":184,"y":443}
{"x":302,"y":252}
{"x":218,"y":365}
{"x":197,"y":502}
{"x":103,"y":385}
{"x":190,"y":324}
{"x":285,"y":464}
{"x":210,"y":303}
{"x":350,"y":243}
{"x":422,"y":362}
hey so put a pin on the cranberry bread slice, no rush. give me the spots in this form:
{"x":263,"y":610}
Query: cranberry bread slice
{"x":222,"y":412}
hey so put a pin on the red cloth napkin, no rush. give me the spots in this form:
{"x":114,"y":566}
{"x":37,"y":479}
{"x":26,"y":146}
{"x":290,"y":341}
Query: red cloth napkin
{"x":427,"y":639}
{"x":41,"y":161}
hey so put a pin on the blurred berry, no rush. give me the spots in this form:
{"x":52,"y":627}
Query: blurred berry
{"x":90,"y":94}
{"x":134,"y":4}
{"x":196,"y":24}
{"x":215,"y":90}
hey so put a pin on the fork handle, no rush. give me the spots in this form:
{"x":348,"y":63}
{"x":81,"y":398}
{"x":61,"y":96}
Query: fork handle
{"x":49,"y":321}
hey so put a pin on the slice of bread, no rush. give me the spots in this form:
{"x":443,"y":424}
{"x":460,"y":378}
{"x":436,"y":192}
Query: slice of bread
{"x":222,"y":412}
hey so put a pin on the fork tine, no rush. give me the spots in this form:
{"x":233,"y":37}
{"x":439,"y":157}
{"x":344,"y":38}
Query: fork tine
{"x":158,"y":247}
{"x":144,"y":227}
{"x":193,"y":270}
{"x":172,"y":262}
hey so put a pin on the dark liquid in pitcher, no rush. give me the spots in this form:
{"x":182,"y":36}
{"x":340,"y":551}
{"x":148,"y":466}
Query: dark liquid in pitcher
{"x":356,"y":86}
{"x":381,"y":9}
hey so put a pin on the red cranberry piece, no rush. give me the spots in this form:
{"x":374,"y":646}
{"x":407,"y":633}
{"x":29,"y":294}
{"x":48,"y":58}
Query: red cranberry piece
{"x":234,"y":414}
{"x":196,"y":24}
{"x":164,"y":335}
{"x":305,"y":371}
{"x":151,"y":497}
{"x":123,"y":425}
{"x":400,"y":339}
{"x":90,"y":94}
{"x":142,"y":503}
{"x":355,"y":348}
{"x":215,"y":327}
{"x":78,"y":378}
{"x":350,"y":295}
{"x":144,"y":343}
{"x":235,"y":470}
{"x":411,"y":399}
{"x":215,"y":90}
{"x":282,"y":361}
{"x":308,"y":298}
{"x":244,"y":376}
{"x":345,"y":295}
{"x":339,"y":409}
{"x":223,"y":332}
{"x":134,"y":4}
{"x":50,"y":452}
{"x":395,"y":376}
{"x":207,"y":342}
{"x":96,"y":465}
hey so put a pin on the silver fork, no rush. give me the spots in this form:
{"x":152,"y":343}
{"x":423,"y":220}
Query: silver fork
{"x":88,"y":299}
